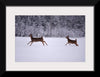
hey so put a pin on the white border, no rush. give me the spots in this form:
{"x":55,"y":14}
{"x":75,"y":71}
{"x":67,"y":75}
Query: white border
{"x":11,"y":65}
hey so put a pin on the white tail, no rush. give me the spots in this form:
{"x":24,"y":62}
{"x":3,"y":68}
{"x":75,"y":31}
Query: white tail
{"x":36,"y":40}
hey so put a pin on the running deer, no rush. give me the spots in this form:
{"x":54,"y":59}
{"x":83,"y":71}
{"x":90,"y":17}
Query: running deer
{"x":36,"y":40}
{"x":71,"y":41}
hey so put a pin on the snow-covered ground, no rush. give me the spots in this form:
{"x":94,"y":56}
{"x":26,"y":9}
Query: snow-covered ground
{"x":56,"y":51}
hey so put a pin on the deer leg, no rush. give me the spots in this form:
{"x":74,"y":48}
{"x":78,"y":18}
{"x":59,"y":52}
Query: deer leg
{"x":45,"y":42}
{"x":76,"y":44}
{"x":28,"y":42}
{"x":66,"y":43}
{"x":31,"y":43}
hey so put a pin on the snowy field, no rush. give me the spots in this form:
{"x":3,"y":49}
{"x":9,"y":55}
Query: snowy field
{"x":56,"y":51}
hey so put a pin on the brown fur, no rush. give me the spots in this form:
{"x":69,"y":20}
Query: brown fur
{"x":71,"y":41}
{"x":36,"y":40}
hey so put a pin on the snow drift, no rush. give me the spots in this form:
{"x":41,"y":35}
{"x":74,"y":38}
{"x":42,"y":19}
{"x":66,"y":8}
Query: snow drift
{"x":56,"y":51}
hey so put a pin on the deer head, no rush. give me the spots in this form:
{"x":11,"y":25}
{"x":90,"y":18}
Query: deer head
{"x":67,"y":37}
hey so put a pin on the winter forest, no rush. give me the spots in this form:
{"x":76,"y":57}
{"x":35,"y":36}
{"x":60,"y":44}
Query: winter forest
{"x":54,"y":29}
{"x":50,"y":25}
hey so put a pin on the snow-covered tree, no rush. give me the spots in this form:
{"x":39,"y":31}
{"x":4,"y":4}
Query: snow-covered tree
{"x":50,"y":25}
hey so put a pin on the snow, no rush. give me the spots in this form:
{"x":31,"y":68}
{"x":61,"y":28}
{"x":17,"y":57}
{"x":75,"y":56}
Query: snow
{"x":56,"y":51}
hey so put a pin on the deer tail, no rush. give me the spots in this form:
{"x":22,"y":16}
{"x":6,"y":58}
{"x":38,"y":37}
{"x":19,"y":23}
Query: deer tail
{"x":42,"y":37}
{"x":76,"y":40}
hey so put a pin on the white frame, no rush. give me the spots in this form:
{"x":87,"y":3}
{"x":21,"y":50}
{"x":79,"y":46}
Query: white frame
{"x":11,"y":65}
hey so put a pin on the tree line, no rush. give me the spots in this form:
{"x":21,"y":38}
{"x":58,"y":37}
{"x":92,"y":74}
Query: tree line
{"x":50,"y":26}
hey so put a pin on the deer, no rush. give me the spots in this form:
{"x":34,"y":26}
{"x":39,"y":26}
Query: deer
{"x":71,"y":41}
{"x":36,"y":40}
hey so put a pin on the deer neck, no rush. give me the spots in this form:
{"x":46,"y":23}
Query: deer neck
{"x":68,"y":38}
